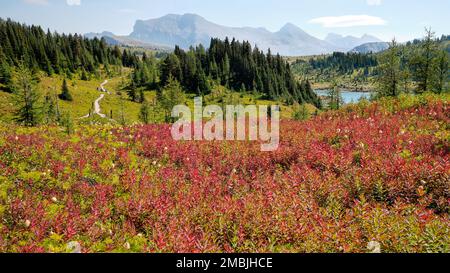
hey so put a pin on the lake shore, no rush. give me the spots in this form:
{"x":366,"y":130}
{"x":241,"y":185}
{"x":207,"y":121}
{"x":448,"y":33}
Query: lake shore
{"x":349,"y":87}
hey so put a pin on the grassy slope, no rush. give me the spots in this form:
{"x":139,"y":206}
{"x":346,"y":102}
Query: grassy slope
{"x":85,"y":93}
{"x":337,"y":176}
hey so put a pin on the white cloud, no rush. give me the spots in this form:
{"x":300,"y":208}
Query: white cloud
{"x":374,"y":2}
{"x":37,"y":2}
{"x":73,"y":2}
{"x":348,"y":21}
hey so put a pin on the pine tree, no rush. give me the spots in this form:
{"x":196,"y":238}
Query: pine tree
{"x":422,"y":62}
{"x":171,"y":67}
{"x":133,"y":92}
{"x":5,"y":75}
{"x":141,"y":96}
{"x":144,"y":113}
{"x":171,"y":95}
{"x":67,"y":123}
{"x":300,"y":112}
{"x":389,"y":71}
{"x":441,"y":71}
{"x":25,"y":96}
{"x":49,"y":109}
{"x":335,"y":97}
{"x":84,"y":75}
{"x":65,"y":94}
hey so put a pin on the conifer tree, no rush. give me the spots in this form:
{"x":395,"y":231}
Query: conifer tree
{"x":65,"y":94}
{"x":389,"y":71}
{"x":422,"y":62}
{"x":49,"y":109}
{"x":171,"y":95}
{"x":441,"y":67}
{"x":25,"y":96}
{"x":144,"y":113}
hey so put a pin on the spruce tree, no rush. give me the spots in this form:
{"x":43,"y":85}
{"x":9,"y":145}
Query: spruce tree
{"x":65,"y":94}
{"x":422,"y":62}
{"x":441,"y":67}
{"x":25,"y":96}
{"x":388,"y":78}
{"x":144,"y":113}
{"x":49,"y":109}
{"x":171,"y":95}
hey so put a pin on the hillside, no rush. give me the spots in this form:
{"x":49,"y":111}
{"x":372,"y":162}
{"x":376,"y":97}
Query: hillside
{"x":371,"y":47}
{"x":371,"y":172}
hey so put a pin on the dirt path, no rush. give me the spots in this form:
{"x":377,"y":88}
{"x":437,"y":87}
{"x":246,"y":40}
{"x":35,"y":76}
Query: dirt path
{"x":97,"y":109}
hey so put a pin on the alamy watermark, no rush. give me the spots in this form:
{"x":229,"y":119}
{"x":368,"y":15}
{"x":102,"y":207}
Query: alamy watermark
{"x":241,"y":123}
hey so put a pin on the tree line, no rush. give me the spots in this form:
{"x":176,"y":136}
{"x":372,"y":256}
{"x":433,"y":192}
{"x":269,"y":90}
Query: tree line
{"x":419,"y":66}
{"x":234,"y":64}
{"x":54,"y":53}
{"x":344,"y":62}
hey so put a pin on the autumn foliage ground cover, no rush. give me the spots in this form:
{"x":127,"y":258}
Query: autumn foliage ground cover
{"x":370,"y":172}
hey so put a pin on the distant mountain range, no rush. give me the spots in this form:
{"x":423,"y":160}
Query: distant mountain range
{"x":350,"y":42}
{"x":113,"y":39}
{"x":190,"y":30}
{"x":371,"y":47}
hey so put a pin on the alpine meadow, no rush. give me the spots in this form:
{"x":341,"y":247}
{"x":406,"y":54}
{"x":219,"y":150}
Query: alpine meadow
{"x":224,"y":133}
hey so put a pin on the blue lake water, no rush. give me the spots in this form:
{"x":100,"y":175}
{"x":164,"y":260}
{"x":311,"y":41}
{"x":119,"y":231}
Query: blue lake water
{"x":347,"y":96}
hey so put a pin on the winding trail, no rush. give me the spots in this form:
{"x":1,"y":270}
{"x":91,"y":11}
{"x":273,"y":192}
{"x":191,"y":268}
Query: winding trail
{"x":97,"y":109}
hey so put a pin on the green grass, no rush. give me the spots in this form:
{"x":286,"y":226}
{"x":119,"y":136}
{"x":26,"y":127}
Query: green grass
{"x":84,"y":94}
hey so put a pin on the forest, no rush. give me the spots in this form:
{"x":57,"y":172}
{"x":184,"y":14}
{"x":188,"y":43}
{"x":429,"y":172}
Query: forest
{"x":234,"y":65}
{"x":344,"y":62}
{"x":54,"y":53}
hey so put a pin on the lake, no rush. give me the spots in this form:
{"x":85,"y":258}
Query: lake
{"x":347,"y":95}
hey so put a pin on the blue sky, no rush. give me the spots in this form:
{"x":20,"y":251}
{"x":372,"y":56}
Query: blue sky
{"x":404,"y":19}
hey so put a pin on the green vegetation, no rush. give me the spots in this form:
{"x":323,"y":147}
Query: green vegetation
{"x":232,"y":64}
{"x":65,"y":95}
{"x":423,"y":65}
{"x":25,"y":96}
{"x":352,"y":70}
{"x":417,"y":66}
{"x":54,"y":53}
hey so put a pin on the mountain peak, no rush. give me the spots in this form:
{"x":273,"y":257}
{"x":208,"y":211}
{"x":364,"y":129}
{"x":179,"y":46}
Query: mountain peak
{"x":289,"y":27}
{"x":191,"y":29}
{"x":349,"y":42}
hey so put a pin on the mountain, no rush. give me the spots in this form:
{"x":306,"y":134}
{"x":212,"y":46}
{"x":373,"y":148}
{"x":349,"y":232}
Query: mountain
{"x":371,"y":47}
{"x":113,"y":39}
{"x":350,"y":42}
{"x":190,"y":29}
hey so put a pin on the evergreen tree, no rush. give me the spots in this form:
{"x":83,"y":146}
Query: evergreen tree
{"x":441,"y":71}
{"x":171,"y":67}
{"x":25,"y":96}
{"x":300,"y":112}
{"x":144,"y":113}
{"x":171,"y":95}
{"x":133,"y":92}
{"x":50,"y":109}
{"x":422,"y":62}
{"x":141,"y":96}
{"x":67,"y":123}
{"x":389,"y":71}
{"x":335,"y":97}
{"x":5,"y":75}
{"x":65,"y":95}
{"x":84,"y":76}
